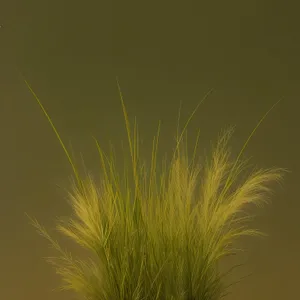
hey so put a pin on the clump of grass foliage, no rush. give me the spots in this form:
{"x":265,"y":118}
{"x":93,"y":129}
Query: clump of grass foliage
{"x":157,"y":232}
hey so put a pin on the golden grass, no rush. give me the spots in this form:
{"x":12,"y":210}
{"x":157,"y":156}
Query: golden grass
{"x":157,"y":234}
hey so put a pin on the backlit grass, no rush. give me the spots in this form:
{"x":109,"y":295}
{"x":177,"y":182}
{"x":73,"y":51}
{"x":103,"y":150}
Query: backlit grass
{"x":157,"y":230}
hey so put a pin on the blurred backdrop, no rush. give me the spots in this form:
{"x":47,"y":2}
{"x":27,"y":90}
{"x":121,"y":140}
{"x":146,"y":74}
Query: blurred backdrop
{"x":164,"y":53}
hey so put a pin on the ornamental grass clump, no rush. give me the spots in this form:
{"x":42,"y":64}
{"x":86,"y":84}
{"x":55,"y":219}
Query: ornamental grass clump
{"x":157,"y":230}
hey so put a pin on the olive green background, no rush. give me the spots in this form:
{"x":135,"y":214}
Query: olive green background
{"x":163,"y":52}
